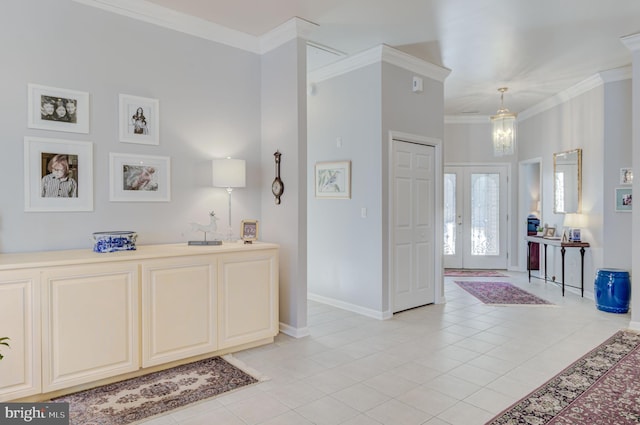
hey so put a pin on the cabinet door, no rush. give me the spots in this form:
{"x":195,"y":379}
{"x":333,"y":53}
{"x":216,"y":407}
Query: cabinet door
{"x":248,"y":297}
{"x":20,"y":321}
{"x":90,"y":323}
{"x":178,"y":308}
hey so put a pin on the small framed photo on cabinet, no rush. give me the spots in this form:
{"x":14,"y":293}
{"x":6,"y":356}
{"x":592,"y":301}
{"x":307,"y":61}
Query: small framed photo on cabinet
{"x":249,"y":230}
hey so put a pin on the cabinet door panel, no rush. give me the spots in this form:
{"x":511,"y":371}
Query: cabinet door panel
{"x":179,"y":309}
{"x":90,"y":323}
{"x":20,"y":321}
{"x":248,"y":308}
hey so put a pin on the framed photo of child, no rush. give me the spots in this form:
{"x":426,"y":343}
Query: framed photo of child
{"x":51,"y":108}
{"x":139,"y":120}
{"x":58,"y":175}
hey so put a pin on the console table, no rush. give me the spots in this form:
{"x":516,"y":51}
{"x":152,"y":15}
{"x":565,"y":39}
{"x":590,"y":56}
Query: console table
{"x":563,"y":249}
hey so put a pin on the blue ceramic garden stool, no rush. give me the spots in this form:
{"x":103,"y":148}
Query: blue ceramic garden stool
{"x":612,"y":289}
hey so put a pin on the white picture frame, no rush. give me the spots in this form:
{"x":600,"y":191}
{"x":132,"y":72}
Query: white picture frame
{"x":42,"y":109}
{"x":139,"y":178}
{"x":139,"y":120}
{"x":72,"y":192}
{"x":333,"y":180}
{"x":626,"y":175}
{"x":624,"y":199}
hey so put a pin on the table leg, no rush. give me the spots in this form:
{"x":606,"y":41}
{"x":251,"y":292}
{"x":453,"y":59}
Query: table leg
{"x":582,"y":271}
{"x":529,"y":259}
{"x":545,"y":263}
{"x":562,"y":251}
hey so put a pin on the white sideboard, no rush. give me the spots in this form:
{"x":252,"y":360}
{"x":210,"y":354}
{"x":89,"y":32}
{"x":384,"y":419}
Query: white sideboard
{"x":77,"y":319}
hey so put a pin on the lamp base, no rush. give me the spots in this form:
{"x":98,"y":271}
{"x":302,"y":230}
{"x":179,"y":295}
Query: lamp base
{"x":214,"y":242}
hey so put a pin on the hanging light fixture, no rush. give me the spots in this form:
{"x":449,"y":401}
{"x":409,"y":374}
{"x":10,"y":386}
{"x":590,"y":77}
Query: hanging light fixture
{"x":503,"y":129}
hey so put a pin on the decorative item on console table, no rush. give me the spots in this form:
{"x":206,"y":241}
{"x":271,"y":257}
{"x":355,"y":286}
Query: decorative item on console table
{"x":114,"y":241}
{"x":212,"y":227}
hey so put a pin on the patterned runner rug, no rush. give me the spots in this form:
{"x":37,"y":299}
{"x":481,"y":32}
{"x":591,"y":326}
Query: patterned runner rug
{"x":601,"y":388}
{"x":500,"y":293}
{"x":472,"y":273}
{"x":140,"y":398}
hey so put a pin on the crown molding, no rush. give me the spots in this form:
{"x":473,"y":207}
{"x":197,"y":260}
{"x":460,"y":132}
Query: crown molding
{"x":152,"y":13}
{"x":632,"y":42}
{"x":381,"y":53}
{"x":464,"y":119}
{"x":290,"y":30}
{"x":609,"y":76}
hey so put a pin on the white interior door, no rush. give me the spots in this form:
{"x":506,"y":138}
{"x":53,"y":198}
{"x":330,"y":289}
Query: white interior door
{"x":413,"y":217}
{"x":475,"y":217}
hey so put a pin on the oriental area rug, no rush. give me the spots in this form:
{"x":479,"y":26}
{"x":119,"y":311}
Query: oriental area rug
{"x":501,"y":293}
{"x":150,"y":395}
{"x":472,"y":273}
{"x":601,"y":388}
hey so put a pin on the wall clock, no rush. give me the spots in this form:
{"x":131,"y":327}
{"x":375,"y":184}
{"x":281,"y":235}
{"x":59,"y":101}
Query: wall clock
{"x":277,"y":187}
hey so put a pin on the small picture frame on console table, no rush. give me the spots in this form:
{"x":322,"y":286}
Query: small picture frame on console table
{"x":549,"y":232}
{"x":249,"y":230}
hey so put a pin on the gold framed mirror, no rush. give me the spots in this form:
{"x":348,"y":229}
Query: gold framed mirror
{"x":567,"y":182}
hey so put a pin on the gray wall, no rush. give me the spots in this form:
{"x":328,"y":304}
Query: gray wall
{"x":348,"y":254}
{"x":284,"y":128}
{"x":599,"y":122}
{"x":345,"y":250}
{"x":209,"y":98}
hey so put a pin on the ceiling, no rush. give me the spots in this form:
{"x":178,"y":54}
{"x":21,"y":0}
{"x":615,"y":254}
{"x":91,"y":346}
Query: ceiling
{"x":536,"y":48}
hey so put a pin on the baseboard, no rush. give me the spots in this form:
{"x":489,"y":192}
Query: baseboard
{"x":380,"y":315}
{"x":634,"y":325}
{"x":294,"y":332}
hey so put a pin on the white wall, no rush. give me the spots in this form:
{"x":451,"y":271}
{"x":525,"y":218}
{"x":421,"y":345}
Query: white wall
{"x":209,"y":107}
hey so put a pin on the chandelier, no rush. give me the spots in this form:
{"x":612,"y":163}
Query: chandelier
{"x":503,"y":129}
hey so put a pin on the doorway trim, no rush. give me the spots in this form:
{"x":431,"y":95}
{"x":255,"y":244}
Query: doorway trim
{"x":438,"y":215}
{"x":524,"y":200}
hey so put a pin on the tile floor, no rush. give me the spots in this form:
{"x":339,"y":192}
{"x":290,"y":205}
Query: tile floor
{"x":458,"y":363}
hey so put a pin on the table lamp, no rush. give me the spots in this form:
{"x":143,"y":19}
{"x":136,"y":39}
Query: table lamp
{"x":229,"y":173}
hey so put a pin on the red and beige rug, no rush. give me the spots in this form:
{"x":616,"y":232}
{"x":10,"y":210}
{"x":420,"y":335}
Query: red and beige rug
{"x":601,"y":388}
{"x":500,"y":293}
{"x":472,"y":273}
{"x":141,"y":398}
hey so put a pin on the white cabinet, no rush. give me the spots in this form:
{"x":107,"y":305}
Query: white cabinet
{"x":248,"y":297}
{"x":20,"y":321}
{"x":79,"y":318}
{"x":179,"y":304}
{"x":90,"y":323}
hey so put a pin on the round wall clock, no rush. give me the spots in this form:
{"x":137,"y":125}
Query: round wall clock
{"x":277,"y":187}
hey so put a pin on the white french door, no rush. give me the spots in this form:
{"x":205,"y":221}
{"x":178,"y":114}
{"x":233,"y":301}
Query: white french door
{"x":413,"y":217}
{"x":475,"y":217}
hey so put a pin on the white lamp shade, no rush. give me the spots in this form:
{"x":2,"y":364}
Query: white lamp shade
{"x":229,"y":172}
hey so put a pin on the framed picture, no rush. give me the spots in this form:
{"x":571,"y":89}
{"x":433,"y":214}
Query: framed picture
{"x":139,"y":120}
{"x":549,"y":232}
{"x":333,"y":179}
{"x":58,"y":175}
{"x":139,"y":178}
{"x":249,"y":230}
{"x":626,"y":175}
{"x":51,"y":108}
{"x":623,"y":199}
